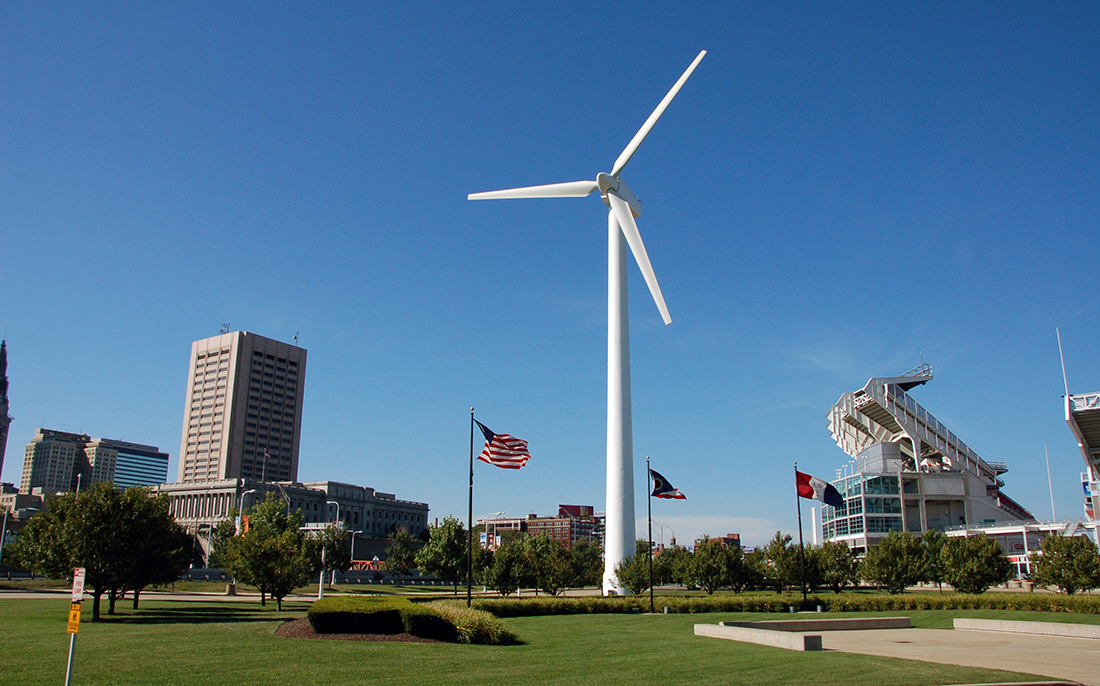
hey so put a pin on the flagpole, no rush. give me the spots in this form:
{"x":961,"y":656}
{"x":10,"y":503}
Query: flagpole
{"x":801,"y":547}
{"x":470,"y":520}
{"x":649,"y":516}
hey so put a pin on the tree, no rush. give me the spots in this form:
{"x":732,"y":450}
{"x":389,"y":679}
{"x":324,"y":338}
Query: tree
{"x":896,"y":563}
{"x":508,"y":570}
{"x":586,"y":563}
{"x":633,"y":572}
{"x":551,"y":563}
{"x":158,"y":548}
{"x":782,"y":566}
{"x":974,"y":563}
{"x":755,"y":570}
{"x":708,"y":567}
{"x":670,"y":566}
{"x":273,"y":555}
{"x":400,"y":553}
{"x":445,"y":553}
{"x":111,"y":535}
{"x":1069,"y":562}
{"x":336,"y":545}
{"x":932,"y":543}
{"x":838,"y":564}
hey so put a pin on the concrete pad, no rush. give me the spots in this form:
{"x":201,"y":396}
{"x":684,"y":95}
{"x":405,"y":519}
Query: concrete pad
{"x":775,"y":639}
{"x":1072,"y":659}
{"x":1036,"y":628}
{"x":833,"y":624}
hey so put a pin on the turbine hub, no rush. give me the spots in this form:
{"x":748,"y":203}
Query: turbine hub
{"x":613,"y":184}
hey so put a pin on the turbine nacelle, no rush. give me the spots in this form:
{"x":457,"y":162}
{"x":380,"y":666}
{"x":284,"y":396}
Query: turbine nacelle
{"x":613,"y":184}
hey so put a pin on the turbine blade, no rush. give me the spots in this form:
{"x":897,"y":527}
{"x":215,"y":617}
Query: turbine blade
{"x":634,"y":240}
{"x":570,"y":189}
{"x":627,"y":153}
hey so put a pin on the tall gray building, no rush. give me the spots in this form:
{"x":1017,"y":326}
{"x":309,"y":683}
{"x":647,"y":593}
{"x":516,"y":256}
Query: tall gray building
{"x":243,"y":415}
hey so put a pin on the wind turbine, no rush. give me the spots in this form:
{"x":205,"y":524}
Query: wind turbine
{"x":622,"y":231}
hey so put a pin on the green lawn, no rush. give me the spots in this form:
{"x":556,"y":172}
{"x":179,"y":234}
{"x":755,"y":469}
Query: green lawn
{"x":196,"y":643}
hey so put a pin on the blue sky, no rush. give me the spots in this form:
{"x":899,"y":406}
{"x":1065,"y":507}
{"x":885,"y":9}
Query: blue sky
{"x":838,"y":189}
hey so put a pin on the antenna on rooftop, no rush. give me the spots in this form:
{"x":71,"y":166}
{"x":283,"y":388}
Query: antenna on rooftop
{"x":225,"y":328}
{"x":1062,"y":358}
{"x":296,"y":338}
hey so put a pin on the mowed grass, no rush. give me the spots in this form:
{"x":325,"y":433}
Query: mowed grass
{"x":197,"y":643}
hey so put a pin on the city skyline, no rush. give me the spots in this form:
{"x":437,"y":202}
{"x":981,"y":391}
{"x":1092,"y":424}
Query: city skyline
{"x":840,"y":193}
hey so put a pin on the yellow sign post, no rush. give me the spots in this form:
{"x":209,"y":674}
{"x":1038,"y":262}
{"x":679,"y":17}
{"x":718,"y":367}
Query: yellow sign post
{"x":74,"y":619}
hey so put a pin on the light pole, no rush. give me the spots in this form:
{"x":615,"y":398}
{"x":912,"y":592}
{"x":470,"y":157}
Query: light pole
{"x":492,"y":517}
{"x":240,"y":508}
{"x":663,"y":527}
{"x":339,"y":525}
{"x":3,"y":533}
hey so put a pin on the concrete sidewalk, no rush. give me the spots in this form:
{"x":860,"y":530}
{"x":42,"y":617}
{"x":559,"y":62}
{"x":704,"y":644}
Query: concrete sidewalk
{"x":1071,"y":659}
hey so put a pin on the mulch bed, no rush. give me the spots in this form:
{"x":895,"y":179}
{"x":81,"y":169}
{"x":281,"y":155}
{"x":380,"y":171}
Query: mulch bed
{"x":300,"y":628}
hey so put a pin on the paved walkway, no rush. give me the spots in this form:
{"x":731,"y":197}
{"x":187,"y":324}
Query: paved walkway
{"x":1072,"y":659}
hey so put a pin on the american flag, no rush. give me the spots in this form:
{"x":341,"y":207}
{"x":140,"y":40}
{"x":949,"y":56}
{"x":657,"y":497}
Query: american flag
{"x":503,"y":450}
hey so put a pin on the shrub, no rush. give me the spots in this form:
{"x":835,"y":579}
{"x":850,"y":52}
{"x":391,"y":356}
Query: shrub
{"x":530,"y":607}
{"x":1070,"y":563}
{"x":426,"y":622}
{"x":357,"y":615}
{"x":974,"y":563}
{"x":472,"y":625}
{"x":896,"y":563}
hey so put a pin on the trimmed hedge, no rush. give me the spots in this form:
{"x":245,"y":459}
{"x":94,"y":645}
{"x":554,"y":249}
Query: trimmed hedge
{"x":529,"y":607}
{"x":379,"y":615}
{"x":357,"y":615}
{"x":474,"y":626}
{"x":426,"y":622}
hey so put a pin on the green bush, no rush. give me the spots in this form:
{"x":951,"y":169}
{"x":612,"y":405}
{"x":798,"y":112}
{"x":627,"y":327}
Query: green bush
{"x":426,"y":622}
{"x":844,"y":602}
{"x":357,"y":615}
{"x":472,"y":625}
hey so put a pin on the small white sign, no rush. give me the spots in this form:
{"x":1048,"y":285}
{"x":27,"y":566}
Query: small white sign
{"x":78,"y":584}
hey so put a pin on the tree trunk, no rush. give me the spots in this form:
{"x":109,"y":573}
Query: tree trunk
{"x":137,"y":595}
{"x":96,"y":595}
{"x":263,"y":597}
{"x":279,"y":604}
{"x":111,"y":598}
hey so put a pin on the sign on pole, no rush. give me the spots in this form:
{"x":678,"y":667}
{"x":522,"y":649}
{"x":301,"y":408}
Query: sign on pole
{"x":74,"y":618}
{"x":78,"y":584}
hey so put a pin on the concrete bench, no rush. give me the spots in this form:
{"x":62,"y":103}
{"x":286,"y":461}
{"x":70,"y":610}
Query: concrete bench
{"x":1034,"y":628}
{"x":765,"y":637}
{"x":845,"y":624}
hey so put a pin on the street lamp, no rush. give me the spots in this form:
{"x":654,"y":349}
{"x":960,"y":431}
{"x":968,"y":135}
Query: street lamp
{"x":333,"y":502}
{"x":663,"y":527}
{"x":240,"y":508}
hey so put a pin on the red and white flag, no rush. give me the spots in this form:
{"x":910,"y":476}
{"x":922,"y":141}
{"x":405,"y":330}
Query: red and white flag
{"x":503,"y":450}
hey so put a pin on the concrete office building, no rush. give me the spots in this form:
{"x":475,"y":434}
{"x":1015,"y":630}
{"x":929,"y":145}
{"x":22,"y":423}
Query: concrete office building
{"x":909,"y":472}
{"x":5,"y":420}
{"x":124,"y":464}
{"x":50,"y":462}
{"x":243,"y":414}
{"x":199,"y":506}
{"x":58,"y":461}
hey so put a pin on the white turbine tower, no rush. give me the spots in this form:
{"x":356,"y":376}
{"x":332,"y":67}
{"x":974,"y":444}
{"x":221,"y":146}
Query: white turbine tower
{"x":622,"y":231}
